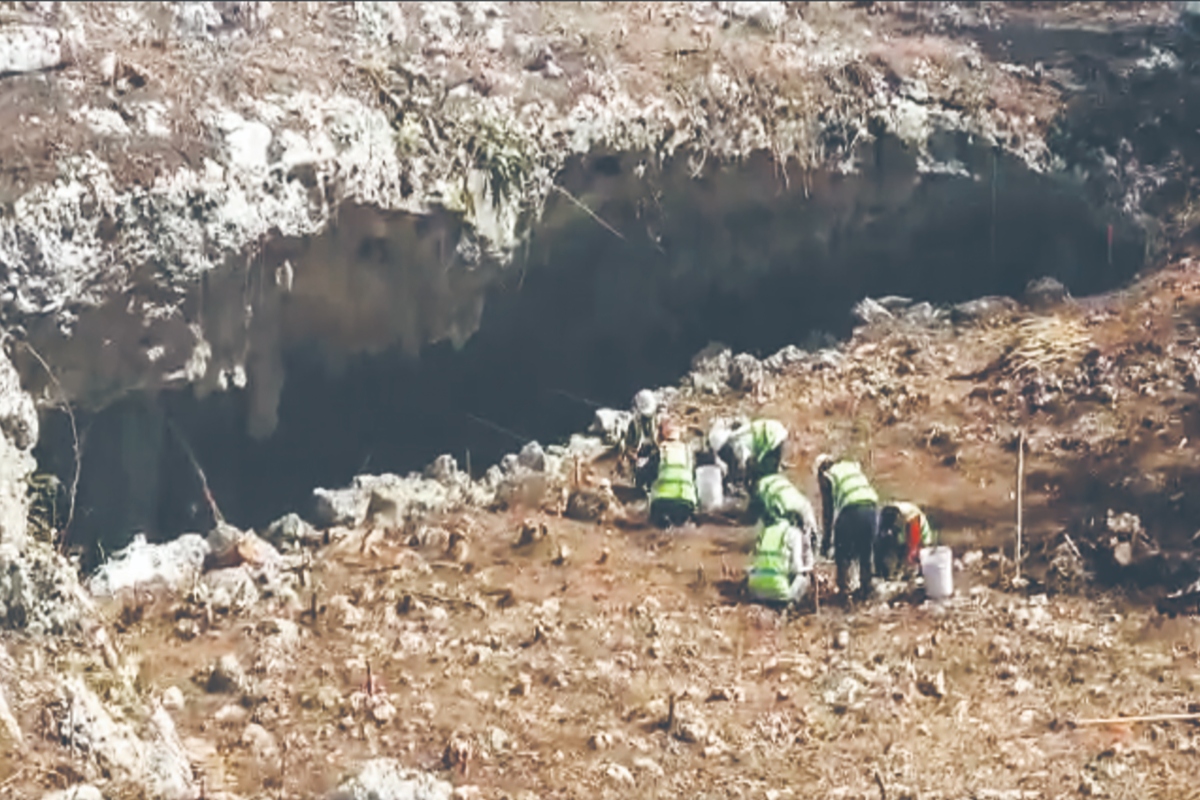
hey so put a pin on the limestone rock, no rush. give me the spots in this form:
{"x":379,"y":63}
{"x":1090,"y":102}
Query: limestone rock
{"x":870,"y":312}
{"x":610,"y":424}
{"x":227,"y":675}
{"x":710,"y":369}
{"x":81,"y":791}
{"x":532,"y":457}
{"x":29,"y":48}
{"x":171,"y":564}
{"x":388,"y":779}
{"x":768,"y":16}
{"x":981,"y":309}
{"x":746,"y":373}
{"x":9,"y":727}
{"x":334,"y":507}
{"x":261,"y":744}
{"x":228,"y":590}
{"x":1045,"y":293}
{"x":39,"y":589}
{"x":292,"y":531}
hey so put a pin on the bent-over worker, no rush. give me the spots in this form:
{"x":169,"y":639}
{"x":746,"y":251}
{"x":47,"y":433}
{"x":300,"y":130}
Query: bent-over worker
{"x":775,"y":497}
{"x":673,"y":496}
{"x":903,"y":531}
{"x":849,"y":512}
{"x":750,"y":451}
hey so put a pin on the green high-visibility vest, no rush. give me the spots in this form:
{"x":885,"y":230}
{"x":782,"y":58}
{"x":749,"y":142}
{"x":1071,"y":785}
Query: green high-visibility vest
{"x":907,"y":512}
{"x":850,"y":486}
{"x":770,"y":571}
{"x":765,"y":436}
{"x":676,"y":476}
{"x":781,"y":500}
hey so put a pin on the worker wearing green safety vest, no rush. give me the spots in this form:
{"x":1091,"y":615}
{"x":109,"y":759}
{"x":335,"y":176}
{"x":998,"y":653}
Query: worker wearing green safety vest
{"x":673,"y":495}
{"x":751,"y":450}
{"x":903,"y":531}
{"x":781,"y":568}
{"x":849,"y":507}
{"x":775,"y":497}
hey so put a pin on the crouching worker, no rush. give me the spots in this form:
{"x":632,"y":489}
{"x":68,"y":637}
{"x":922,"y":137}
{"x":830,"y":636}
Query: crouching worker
{"x":673,"y":495}
{"x":903,"y":531}
{"x":638,"y":446}
{"x":849,"y":511}
{"x":781,"y":570}
{"x":749,"y":451}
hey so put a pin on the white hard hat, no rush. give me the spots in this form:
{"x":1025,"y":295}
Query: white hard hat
{"x":645,"y":403}
{"x":822,"y":461}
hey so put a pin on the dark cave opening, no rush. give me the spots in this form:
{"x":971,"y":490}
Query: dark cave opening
{"x":588,"y":317}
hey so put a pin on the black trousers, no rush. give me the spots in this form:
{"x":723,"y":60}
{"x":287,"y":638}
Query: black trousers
{"x":853,"y":540}
{"x":670,"y":513}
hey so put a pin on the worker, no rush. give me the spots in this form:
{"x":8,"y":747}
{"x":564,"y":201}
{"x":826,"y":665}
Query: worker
{"x":638,"y":444}
{"x":750,"y":451}
{"x":849,"y":515}
{"x":903,"y":531}
{"x":781,"y":569}
{"x":673,"y":496}
{"x":776,"y":498}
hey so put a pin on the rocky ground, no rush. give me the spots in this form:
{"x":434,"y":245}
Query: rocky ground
{"x":526,"y":634}
{"x":485,"y":645}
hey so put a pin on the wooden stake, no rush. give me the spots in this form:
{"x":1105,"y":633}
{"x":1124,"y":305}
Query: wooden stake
{"x":816,"y":592}
{"x":469,"y":475}
{"x":1020,"y":495}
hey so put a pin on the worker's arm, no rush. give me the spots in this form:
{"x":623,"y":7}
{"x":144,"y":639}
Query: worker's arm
{"x":914,"y":539}
{"x":800,"y":553}
{"x":826,"y":514}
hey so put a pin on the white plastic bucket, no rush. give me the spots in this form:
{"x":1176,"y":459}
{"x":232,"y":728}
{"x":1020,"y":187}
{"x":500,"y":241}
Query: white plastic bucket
{"x":708,"y":486}
{"x":937,"y":565}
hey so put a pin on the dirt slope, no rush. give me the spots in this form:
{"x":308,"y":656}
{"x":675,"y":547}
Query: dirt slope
{"x":617,"y":661}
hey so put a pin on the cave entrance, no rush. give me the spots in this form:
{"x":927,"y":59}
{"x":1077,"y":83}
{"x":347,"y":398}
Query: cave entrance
{"x":587,"y":315}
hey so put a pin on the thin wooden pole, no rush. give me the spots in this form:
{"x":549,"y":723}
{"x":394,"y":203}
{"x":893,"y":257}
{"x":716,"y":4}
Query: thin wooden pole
{"x":1020,"y":495}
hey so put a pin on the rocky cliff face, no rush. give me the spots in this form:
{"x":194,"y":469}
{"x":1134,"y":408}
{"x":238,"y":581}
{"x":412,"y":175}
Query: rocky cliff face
{"x":194,"y":190}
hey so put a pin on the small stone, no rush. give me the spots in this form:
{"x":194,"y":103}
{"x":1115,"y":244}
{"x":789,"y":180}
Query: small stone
{"x":933,"y":686}
{"x":563,"y":553}
{"x":1020,"y":687}
{"x":732,"y":694}
{"x":231,"y":714}
{"x":227,"y":676}
{"x":345,"y":613}
{"x":692,"y":731}
{"x":601,"y":740}
{"x":524,"y":684}
{"x":841,"y":639}
{"x":172,"y":698}
{"x":261,"y":744}
{"x":645,"y":764}
{"x":619,"y":774}
{"x":383,"y":712}
{"x":498,"y":740}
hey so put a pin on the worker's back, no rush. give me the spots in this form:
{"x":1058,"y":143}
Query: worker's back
{"x":676,"y":475}
{"x":777,"y":498}
{"x":849,"y":486}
